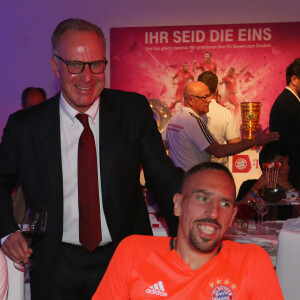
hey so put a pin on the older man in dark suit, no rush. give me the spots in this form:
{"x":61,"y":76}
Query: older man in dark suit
{"x":79,"y":155}
{"x":285,"y":118}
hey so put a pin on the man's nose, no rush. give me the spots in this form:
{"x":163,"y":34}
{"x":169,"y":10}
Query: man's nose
{"x":86,"y":75}
{"x":212,"y":210}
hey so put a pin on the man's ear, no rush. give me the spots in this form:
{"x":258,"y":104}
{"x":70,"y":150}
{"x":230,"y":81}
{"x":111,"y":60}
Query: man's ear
{"x":217,"y":93}
{"x":177,"y":200}
{"x":235,"y":210}
{"x":294,"y":80}
{"x":188,"y":101}
{"x":54,"y":66}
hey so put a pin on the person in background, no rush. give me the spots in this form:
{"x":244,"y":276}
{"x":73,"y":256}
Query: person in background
{"x":272,"y":152}
{"x":207,"y":65}
{"x":32,"y":96}
{"x":198,"y":263}
{"x":79,"y":155}
{"x":285,"y":118}
{"x":181,"y":78}
{"x":189,"y":140}
{"x":231,"y":88}
{"x":220,"y":121}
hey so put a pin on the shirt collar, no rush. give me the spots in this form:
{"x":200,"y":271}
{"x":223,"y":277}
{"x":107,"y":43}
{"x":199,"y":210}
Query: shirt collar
{"x":71,"y":112}
{"x":188,"y":109}
{"x":293,"y":92}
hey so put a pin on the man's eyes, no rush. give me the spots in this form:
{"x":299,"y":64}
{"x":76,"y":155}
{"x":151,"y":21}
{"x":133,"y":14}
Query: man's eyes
{"x":226,"y":204}
{"x":206,"y":199}
{"x":96,"y":63}
{"x":75,"y":64}
{"x":202,"y":198}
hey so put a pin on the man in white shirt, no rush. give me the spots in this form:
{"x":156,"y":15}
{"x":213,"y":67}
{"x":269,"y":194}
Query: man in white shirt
{"x":189,"y":140}
{"x":43,"y":145}
{"x":220,"y":121}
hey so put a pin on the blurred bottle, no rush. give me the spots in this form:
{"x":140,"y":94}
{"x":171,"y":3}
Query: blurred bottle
{"x":246,"y":210}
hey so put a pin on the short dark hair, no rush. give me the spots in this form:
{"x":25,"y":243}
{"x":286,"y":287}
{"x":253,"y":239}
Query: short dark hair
{"x":270,"y":151}
{"x":293,"y":69}
{"x":75,"y":25}
{"x":205,"y":166}
{"x":210,"y":79}
{"x":209,"y":53}
{"x":28,"y":90}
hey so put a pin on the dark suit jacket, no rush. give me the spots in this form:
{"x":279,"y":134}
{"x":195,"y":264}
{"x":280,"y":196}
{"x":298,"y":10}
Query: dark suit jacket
{"x":30,"y":150}
{"x":285,"y":118}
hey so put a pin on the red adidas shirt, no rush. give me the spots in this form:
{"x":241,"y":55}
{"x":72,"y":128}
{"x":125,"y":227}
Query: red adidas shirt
{"x":144,"y":268}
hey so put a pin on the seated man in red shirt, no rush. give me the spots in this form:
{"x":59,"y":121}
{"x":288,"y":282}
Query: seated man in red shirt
{"x":197,"y":264}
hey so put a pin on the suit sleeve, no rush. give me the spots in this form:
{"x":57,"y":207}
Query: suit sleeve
{"x":161,"y":176}
{"x":8,"y":179}
{"x":285,"y":118}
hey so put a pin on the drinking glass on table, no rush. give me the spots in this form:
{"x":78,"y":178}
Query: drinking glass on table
{"x":262,"y":209}
{"x":33,"y":228}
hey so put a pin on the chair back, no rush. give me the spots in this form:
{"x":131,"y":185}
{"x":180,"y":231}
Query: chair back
{"x":15,"y":282}
{"x":288,"y":262}
{"x":3,"y":277}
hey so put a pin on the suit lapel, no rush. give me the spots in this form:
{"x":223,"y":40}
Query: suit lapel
{"x":109,"y":122}
{"x":109,"y":134}
{"x":49,"y":133}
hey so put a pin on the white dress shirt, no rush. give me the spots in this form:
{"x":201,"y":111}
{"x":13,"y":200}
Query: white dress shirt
{"x":70,"y":131}
{"x":293,"y":92}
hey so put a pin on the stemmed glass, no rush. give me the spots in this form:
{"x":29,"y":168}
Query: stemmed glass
{"x":262,"y":209}
{"x":33,"y":228}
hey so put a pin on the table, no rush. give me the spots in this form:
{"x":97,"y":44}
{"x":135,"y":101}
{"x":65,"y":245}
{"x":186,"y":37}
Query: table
{"x":284,"y":202}
{"x":293,"y":212}
{"x":268,"y":241}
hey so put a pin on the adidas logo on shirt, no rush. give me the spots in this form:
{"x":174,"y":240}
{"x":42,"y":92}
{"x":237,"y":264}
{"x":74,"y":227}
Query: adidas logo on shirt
{"x":157,"y":289}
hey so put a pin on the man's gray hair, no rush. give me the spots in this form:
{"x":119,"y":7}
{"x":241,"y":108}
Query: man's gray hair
{"x":75,"y":25}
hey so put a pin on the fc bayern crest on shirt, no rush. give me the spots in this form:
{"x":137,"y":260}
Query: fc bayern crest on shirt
{"x":221,"y":292}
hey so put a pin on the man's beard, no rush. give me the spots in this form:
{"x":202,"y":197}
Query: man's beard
{"x":200,"y":244}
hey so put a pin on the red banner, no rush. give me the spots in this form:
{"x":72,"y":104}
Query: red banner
{"x":250,"y":60}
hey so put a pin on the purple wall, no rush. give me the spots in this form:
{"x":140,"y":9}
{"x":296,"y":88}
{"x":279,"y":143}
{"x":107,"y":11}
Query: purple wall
{"x":26,"y":27}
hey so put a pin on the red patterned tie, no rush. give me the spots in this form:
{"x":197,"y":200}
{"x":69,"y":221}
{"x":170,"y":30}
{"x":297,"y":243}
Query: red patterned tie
{"x":88,"y":192}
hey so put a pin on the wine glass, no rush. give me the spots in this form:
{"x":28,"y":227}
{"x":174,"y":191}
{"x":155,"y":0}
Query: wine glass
{"x":33,"y":228}
{"x":262,"y":209}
